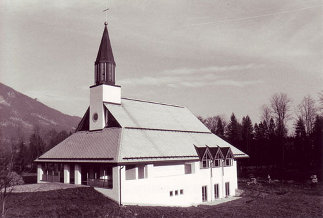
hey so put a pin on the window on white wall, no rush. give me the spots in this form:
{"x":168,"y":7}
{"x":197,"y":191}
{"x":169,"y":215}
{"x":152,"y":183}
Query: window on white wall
{"x":205,"y":162}
{"x":216,"y":190}
{"x":228,"y":162}
{"x":204,"y":193}
{"x":130,"y":172}
{"x":142,"y":172}
{"x":171,"y":193}
{"x":189,"y":168}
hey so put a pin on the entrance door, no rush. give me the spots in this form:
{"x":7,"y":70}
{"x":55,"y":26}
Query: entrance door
{"x":227,"y":189}
{"x":216,"y":191}
{"x":204,"y":193}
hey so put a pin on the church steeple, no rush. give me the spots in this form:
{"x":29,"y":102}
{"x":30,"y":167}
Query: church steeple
{"x":104,"y":90}
{"x":104,"y":65}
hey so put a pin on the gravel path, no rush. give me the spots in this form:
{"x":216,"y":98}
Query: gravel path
{"x":40,"y":187}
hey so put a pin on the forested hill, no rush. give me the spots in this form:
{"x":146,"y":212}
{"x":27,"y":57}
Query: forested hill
{"x":21,"y":115}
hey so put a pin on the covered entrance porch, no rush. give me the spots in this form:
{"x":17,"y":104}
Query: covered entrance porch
{"x":91,"y":174}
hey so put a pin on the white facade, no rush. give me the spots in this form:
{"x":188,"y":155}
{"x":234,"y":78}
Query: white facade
{"x":186,"y":188}
{"x":98,"y":95}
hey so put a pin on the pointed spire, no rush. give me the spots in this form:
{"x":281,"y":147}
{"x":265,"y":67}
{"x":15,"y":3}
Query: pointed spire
{"x":105,"y":51}
{"x":104,"y":65}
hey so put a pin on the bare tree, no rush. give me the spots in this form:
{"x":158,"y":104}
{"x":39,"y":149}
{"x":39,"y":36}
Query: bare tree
{"x":266,"y":114}
{"x":211,"y":123}
{"x":8,"y":179}
{"x":307,"y":112}
{"x":280,"y":105}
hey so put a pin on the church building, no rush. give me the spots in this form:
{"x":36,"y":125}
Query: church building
{"x":141,"y":152}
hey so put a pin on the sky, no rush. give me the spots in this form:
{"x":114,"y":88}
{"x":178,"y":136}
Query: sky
{"x":213,"y":56}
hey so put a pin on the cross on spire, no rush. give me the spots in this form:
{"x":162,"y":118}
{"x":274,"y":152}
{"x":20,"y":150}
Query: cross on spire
{"x":106,"y":16}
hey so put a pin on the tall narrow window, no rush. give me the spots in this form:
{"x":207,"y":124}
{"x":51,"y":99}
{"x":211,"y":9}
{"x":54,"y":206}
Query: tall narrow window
{"x":204,"y":193}
{"x":216,"y":191}
{"x":102,"y":72}
{"x":141,"y":172}
{"x":110,"y":72}
{"x":227,"y":189}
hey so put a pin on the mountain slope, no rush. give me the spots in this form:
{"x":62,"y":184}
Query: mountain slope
{"x":20,"y":115}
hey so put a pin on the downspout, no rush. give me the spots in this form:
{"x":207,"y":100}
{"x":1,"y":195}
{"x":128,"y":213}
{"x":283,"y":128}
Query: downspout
{"x":223,"y":185}
{"x":120,"y":204}
{"x":211,"y":180}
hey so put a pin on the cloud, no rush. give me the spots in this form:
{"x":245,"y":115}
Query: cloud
{"x":212,"y":69}
{"x":196,"y":77}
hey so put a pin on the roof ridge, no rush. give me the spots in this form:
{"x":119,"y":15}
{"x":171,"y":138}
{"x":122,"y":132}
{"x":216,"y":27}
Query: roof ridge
{"x":152,"y":102}
{"x":166,"y":130}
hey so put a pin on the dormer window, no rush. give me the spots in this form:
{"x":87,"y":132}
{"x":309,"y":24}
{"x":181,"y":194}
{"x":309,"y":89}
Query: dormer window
{"x":228,"y":161}
{"x":218,"y":159}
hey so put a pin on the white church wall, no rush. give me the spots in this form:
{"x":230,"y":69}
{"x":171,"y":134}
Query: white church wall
{"x":40,"y":173}
{"x":163,"y":179}
{"x":114,"y":192}
{"x":98,"y":95}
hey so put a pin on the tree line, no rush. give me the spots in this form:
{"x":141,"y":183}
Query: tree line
{"x":272,"y":142}
{"x":24,"y":152}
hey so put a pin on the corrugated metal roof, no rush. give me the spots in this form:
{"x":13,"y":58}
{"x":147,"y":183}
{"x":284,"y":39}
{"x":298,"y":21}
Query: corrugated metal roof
{"x":134,"y":145}
{"x":143,"y":143}
{"x":97,"y":145}
{"x":150,"y":115}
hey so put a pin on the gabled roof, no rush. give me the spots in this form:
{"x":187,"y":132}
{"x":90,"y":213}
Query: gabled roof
{"x":226,"y":151}
{"x":200,"y":151}
{"x":96,"y":145}
{"x":146,"y":131}
{"x":215,"y":150}
{"x":150,"y":115}
{"x":105,"y":53}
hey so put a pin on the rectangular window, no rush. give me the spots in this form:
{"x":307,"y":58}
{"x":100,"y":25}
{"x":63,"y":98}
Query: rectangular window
{"x":217,"y":163}
{"x":204,"y":193}
{"x":110,"y":72}
{"x":171,"y":193}
{"x":176,"y":192}
{"x":102,"y":71}
{"x":228,"y":162}
{"x":141,"y":172}
{"x":130,"y":172}
{"x":181,"y":191}
{"x":227,"y":189}
{"x":216,"y":191}
{"x":189,"y":168}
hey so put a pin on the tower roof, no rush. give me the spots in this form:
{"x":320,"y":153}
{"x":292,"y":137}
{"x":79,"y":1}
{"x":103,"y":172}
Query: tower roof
{"x":105,"y":53}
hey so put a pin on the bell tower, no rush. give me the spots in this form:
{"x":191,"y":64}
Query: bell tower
{"x":104,"y":88}
{"x":104,"y":66}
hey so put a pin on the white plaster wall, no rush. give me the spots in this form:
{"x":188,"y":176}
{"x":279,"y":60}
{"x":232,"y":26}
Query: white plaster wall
{"x":40,"y":173}
{"x":77,"y":174}
{"x":67,"y":173}
{"x":114,"y":192}
{"x":98,"y":95}
{"x":155,"y":190}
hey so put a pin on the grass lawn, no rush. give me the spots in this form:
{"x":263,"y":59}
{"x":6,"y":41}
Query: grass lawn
{"x":262,"y":200}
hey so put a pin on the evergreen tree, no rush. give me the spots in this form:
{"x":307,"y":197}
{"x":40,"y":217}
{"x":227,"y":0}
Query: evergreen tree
{"x":20,"y":158}
{"x":301,"y":153}
{"x":317,"y":139}
{"x":246,"y":133}
{"x":36,"y":146}
{"x":233,"y":132}
{"x":219,"y":128}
